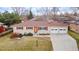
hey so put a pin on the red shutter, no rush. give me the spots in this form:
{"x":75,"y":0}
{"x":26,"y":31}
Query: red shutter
{"x":35,"y":29}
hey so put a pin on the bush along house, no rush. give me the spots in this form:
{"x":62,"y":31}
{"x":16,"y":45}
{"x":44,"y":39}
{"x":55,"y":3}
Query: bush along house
{"x":40,"y":27}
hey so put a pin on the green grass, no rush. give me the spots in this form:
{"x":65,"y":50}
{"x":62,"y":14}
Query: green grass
{"x":75,"y":36}
{"x":25,"y":44}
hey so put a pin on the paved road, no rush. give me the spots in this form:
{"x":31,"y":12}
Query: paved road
{"x":63,"y":42}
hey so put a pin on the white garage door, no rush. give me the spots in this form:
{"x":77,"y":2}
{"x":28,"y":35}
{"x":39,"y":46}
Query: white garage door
{"x":62,"y":30}
{"x":54,"y":30}
{"x":58,"y":30}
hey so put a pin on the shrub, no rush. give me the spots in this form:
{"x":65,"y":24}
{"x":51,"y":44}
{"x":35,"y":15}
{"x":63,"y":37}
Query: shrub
{"x":14,"y":35}
{"x":44,"y":34}
{"x":25,"y":34}
{"x":29,"y":34}
{"x":20,"y":35}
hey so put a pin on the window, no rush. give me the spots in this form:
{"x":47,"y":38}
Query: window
{"x":63,"y":29}
{"x":43,"y":28}
{"x":19,"y":27}
{"x":54,"y":29}
{"x":29,"y":27}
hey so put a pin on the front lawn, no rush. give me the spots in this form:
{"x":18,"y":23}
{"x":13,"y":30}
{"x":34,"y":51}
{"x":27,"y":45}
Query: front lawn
{"x":27,"y":43}
{"x":75,"y":35}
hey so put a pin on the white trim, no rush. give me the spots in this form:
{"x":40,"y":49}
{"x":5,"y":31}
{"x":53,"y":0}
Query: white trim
{"x":41,"y":31}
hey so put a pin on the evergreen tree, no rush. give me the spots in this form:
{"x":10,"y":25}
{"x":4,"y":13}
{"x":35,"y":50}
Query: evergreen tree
{"x":30,"y":16}
{"x":9,"y":18}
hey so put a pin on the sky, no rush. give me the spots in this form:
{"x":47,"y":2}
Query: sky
{"x":3,"y":9}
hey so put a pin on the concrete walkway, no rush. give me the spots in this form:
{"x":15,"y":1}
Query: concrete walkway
{"x":41,"y":35}
{"x":63,"y":42}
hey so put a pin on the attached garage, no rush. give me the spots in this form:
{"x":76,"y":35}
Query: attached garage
{"x":58,"y":30}
{"x":54,"y":30}
{"x":62,"y":30}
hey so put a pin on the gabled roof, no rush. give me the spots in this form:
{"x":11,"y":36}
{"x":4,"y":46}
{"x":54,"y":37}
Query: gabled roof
{"x":49,"y":23}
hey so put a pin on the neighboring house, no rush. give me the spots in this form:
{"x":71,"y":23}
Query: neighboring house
{"x":74,"y":27}
{"x":69,"y":20}
{"x":40,"y":27}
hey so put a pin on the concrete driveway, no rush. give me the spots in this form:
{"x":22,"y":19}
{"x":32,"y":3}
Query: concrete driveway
{"x":63,"y":42}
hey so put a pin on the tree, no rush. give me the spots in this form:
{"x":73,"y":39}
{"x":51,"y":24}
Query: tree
{"x":75,"y":10}
{"x":30,"y":16}
{"x":1,"y":18}
{"x":9,"y":18}
{"x":20,"y":10}
{"x":44,"y":10}
{"x":55,"y":10}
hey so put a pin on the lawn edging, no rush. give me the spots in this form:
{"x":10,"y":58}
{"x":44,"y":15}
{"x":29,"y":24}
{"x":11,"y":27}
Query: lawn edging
{"x":75,"y":36}
{"x":6,"y":32}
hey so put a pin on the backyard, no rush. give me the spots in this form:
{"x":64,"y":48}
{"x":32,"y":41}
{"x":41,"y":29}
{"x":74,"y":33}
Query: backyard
{"x":27,"y":43}
{"x":75,"y":36}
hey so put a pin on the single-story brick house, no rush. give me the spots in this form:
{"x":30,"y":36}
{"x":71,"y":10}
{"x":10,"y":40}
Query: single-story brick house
{"x":40,"y":27}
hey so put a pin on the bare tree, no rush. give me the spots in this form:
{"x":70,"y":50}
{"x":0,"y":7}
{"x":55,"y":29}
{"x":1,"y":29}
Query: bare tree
{"x":23,"y":12}
{"x":54,"y":11}
{"x":43,"y":10}
{"x":20,"y":10}
{"x":48,"y":11}
{"x":75,"y":10}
